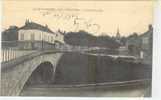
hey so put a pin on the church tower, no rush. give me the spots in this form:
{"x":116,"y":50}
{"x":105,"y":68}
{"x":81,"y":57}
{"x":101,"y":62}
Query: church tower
{"x":118,"y":34}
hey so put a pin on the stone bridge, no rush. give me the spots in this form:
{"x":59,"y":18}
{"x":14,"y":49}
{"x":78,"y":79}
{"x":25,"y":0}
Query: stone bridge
{"x":40,"y":67}
{"x":16,"y":73}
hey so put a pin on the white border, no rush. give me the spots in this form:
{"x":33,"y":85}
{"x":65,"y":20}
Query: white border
{"x":156,"y":83}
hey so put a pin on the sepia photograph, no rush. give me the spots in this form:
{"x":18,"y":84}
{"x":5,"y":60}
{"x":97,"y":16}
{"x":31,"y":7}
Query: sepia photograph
{"x":70,"y":48}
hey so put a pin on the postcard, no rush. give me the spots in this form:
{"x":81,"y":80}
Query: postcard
{"x":77,"y":48}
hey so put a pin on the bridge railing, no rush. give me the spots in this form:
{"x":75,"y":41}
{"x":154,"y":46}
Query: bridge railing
{"x":9,"y":54}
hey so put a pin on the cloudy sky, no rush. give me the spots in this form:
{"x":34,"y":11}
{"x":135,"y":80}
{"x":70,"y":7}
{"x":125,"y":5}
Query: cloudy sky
{"x":97,"y":17}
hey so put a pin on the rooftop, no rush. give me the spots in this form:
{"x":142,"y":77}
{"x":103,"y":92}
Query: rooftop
{"x":32,"y":25}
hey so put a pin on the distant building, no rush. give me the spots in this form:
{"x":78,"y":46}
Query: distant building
{"x":36,"y":36}
{"x":133,"y":44}
{"x":146,"y":44}
{"x":10,"y":34}
{"x":118,"y":36}
{"x":141,"y":45}
{"x":147,"y":39}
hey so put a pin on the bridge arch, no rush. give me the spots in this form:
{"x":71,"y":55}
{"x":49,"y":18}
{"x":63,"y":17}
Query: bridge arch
{"x":15,"y":77}
{"x":42,"y":74}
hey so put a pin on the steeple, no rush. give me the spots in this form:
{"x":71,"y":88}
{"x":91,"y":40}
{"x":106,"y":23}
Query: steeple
{"x":118,"y":34}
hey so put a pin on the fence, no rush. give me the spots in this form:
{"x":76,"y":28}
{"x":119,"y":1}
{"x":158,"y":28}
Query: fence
{"x":9,"y":54}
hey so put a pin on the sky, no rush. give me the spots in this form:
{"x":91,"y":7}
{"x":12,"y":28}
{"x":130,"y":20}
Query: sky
{"x":96,"y":17}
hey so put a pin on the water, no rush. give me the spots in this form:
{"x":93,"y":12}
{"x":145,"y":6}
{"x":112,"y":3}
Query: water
{"x":77,"y":68}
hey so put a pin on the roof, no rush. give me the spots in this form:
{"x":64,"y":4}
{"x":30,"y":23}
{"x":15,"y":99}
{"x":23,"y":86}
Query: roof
{"x":147,"y":33}
{"x":33,"y":25}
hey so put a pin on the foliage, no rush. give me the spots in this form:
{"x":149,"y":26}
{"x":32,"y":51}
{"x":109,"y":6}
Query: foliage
{"x":83,"y":38}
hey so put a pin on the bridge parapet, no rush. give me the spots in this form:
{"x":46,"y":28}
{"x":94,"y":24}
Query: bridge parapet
{"x":10,"y":54}
{"x":14,"y":75}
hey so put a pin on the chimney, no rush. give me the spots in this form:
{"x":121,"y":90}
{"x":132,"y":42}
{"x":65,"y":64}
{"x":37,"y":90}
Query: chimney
{"x":150,"y":27}
{"x":46,"y":26}
{"x":27,"y":21}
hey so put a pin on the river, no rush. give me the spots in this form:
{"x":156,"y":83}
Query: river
{"x":77,"y":68}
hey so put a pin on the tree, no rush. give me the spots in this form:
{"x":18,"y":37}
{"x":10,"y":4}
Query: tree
{"x":83,"y":38}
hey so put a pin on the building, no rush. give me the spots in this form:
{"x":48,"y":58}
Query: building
{"x":36,"y":36}
{"x":10,"y":37}
{"x":146,"y":45}
{"x":141,"y":45}
{"x":133,"y":44}
{"x":118,"y":36}
{"x":147,"y":39}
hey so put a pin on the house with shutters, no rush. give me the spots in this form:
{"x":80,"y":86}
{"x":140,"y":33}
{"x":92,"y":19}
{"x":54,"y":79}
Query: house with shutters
{"x":34,"y":36}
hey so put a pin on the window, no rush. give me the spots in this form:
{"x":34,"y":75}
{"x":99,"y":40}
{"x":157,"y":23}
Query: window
{"x":52,"y":39}
{"x":56,"y":35}
{"x":45,"y":38}
{"x":48,"y":38}
{"x":145,"y":40}
{"x":22,"y":36}
{"x":32,"y":36}
{"x":40,"y":37}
